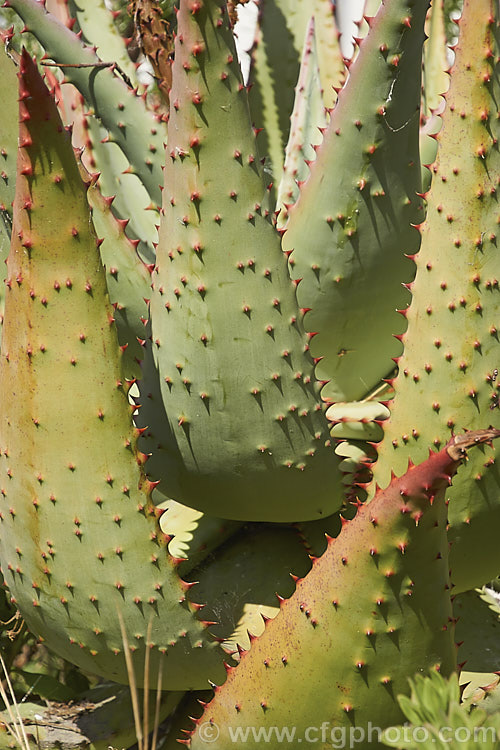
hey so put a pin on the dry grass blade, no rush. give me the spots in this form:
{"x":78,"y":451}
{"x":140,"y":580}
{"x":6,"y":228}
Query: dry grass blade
{"x":17,"y":729}
{"x":158,"y":702}
{"x":12,"y":728}
{"x":132,"y":684}
{"x":145,"y":711}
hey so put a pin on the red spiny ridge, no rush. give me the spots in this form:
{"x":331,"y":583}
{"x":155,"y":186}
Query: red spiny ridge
{"x":374,"y":608}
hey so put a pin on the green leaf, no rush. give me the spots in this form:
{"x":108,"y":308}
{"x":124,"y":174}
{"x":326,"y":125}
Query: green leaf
{"x":82,"y":519}
{"x":135,"y":129}
{"x":451,"y":347}
{"x":350,"y":233}
{"x":227,"y":341}
{"x":438,"y":721}
{"x":275,"y":69}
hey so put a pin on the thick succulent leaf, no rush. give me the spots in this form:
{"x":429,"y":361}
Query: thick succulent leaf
{"x":8,"y":137}
{"x":330,"y":60}
{"x":381,"y":587}
{"x":429,"y":147}
{"x":131,"y":201}
{"x":243,"y":580}
{"x":371,"y":8}
{"x":95,"y":21}
{"x":227,"y":336}
{"x":80,"y":541}
{"x":478,"y":633}
{"x":448,"y":374}
{"x":308,"y":116}
{"x":242,"y":583}
{"x":355,"y":455}
{"x":491,"y":596}
{"x":194,"y":535}
{"x":190,"y":705}
{"x":128,"y":281}
{"x":60,"y":10}
{"x":358,"y":420}
{"x":100,"y":155}
{"x":350,"y":231}
{"x":276,"y":63}
{"x":117,"y":179}
{"x":315,"y":534}
{"x":354,"y":30}
{"x":357,"y":424}
{"x":135,"y":129}
{"x":435,"y":85}
{"x":487,"y":696}
{"x":435,"y":78}
{"x":430,"y":699}
{"x":452,"y":10}
{"x":4,"y":251}
{"x":128,"y":278}
{"x":438,"y":721}
{"x":8,"y":159}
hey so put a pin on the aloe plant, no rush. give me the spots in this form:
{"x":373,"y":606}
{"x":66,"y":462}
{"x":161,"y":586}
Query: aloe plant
{"x":190,"y":417}
{"x":435,"y":704}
